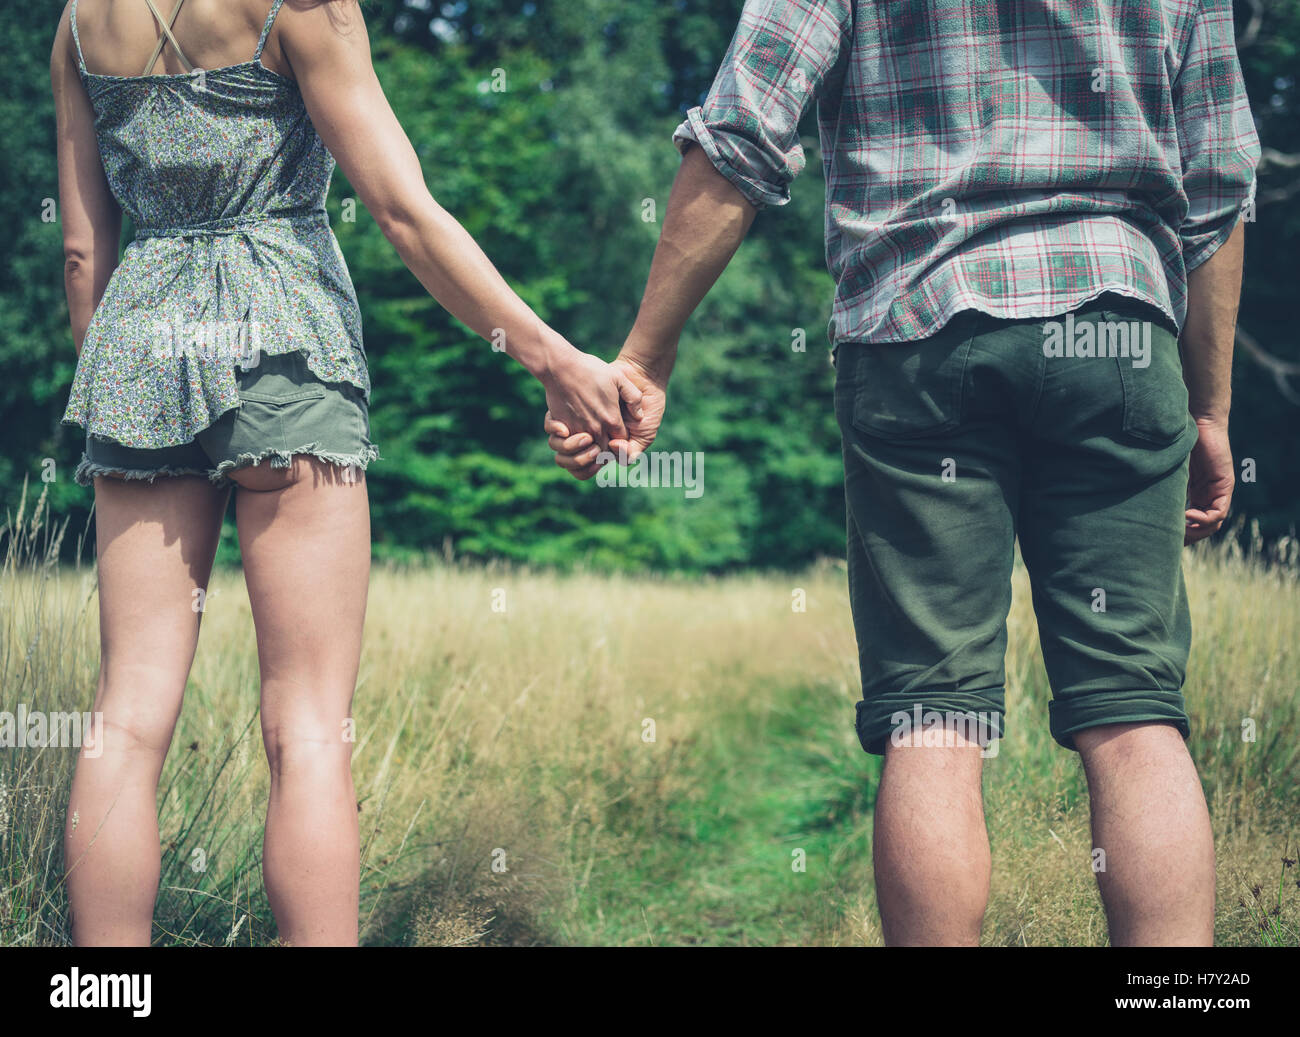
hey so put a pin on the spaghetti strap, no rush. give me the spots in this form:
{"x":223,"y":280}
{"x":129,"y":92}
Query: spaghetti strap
{"x":81,"y":61}
{"x":266,"y":29}
{"x":166,"y":25}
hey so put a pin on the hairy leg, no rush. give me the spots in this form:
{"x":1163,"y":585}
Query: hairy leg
{"x":154,"y":545}
{"x":931,"y":849}
{"x":1149,"y":817}
{"x":304,"y":533}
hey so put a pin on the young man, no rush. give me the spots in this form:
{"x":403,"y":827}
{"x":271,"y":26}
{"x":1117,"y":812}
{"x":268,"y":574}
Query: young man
{"x":1030,"y":209}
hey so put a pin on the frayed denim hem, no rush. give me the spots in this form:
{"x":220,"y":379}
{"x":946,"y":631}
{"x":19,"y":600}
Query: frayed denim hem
{"x":88,"y":469}
{"x":284,"y":459}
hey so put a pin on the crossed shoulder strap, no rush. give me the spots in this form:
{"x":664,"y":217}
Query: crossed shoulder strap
{"x":169,"y":37}
{"x":166,"y":25}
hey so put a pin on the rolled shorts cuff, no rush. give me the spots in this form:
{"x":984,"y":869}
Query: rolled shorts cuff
{"x":1070,"y":715}
{"x":893,"y":717}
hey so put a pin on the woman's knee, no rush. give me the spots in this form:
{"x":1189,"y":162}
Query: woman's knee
{"x":318,"y":745}
{"x":129,"y":732}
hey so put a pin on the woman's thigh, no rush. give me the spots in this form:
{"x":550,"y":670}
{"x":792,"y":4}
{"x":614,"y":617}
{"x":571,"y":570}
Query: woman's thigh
{"x":304,"y":534}
{"x":155,"y":543}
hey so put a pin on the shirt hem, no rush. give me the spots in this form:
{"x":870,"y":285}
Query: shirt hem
{"x":82,"y":419}
{"x":1020,"y":311}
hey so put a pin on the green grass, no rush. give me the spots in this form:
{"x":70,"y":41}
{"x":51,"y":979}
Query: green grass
{"x":767,"y":843}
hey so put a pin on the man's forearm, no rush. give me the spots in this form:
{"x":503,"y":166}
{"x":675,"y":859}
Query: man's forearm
{"x":1213,"y":293}
{"x":706,"y":221}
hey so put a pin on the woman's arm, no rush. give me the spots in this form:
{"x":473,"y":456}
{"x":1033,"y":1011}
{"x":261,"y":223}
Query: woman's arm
{"x":329,"y":52}
{"x":89,"y":214}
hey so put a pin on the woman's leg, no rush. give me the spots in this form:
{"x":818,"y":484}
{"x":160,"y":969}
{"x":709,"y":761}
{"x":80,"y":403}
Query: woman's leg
{"x":155,"y":543}
{"x":304,"y":533}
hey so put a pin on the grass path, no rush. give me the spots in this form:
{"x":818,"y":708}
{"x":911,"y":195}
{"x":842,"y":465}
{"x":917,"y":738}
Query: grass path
{"x":769,"y":844}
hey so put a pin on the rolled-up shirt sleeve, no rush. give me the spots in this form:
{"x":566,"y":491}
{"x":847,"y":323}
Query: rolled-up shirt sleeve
{"x":1217,"y":141}
{"x":748,"y":126}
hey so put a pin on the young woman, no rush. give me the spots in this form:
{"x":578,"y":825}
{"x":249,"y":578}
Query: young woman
{"x":223,"y":354}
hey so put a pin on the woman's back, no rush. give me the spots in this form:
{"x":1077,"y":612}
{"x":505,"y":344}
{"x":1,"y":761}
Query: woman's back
{"x":203,"y":145}
{"x":225,"y":179}
{"x":118,"y":36}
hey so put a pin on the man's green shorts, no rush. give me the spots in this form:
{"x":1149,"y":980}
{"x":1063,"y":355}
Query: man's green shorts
{"x":1071,"y":434}
{"x":284,"y":410}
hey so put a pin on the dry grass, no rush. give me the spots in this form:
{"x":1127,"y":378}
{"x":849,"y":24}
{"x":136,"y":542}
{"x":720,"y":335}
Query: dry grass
{"x":508,"y":792}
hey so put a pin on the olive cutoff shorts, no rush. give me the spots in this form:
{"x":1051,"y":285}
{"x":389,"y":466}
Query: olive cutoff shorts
{"x":960,"y":443}
{"x":284,"y":410}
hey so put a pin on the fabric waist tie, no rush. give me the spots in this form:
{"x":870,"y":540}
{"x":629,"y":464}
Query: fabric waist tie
{"x":241,"y":224}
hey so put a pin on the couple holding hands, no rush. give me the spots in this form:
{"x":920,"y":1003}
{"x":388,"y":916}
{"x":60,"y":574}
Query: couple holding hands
{"x":979,"y":185}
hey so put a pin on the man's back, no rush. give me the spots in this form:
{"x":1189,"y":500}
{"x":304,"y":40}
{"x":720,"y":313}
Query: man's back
{"x":1015,"y":158}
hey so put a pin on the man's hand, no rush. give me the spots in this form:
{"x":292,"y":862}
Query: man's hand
{"x":579,"y":454}
{"x":590,"y":396}
{"x":1210,"y":480}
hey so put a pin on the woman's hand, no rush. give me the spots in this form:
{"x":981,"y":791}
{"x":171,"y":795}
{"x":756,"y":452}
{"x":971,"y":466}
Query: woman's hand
{"x":589,"y":396}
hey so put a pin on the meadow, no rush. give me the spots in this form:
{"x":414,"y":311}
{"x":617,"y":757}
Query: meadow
{"x":576,"y":758}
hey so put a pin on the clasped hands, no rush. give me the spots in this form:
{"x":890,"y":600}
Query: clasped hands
{"x":598,"y":411}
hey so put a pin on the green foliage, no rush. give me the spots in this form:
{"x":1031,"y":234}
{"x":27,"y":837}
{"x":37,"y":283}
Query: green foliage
{"x":563,"y":177}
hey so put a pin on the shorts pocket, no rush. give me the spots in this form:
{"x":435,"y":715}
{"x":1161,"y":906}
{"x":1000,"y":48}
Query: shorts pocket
{"x":302,"y":392}
{"x":1155,"y":395}
{"x":905,"y":390}
{"x":282,"y":378}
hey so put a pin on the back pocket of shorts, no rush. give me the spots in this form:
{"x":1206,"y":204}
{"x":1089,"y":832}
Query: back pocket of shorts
{"x":282,"y":378}
{"x":904,"y":390}
{"x":301,"y":392}
{"x":1155,"y":395}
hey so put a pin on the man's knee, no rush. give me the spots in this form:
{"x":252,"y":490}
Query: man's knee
{"x":1126,"y":739}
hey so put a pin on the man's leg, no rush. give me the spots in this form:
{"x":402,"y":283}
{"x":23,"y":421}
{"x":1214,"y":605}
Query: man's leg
{"x":931,"y":849}
{"x":1150,"y":817}
{"x":931,"y":478}
{"x":1101,"y":530}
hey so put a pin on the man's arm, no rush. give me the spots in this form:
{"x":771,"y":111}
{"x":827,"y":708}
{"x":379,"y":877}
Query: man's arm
{"x":741,"y":150}
{"x":1217,"y":143}
{"x":706,"y":221}
{"x":1219,"y":150}
{"x":1213,"y":293}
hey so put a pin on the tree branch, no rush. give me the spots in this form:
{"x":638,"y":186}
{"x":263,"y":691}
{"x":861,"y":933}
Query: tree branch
{"x":1251,"y":32}
{"x":1273,"y":157}
{"x":1280,"y":369}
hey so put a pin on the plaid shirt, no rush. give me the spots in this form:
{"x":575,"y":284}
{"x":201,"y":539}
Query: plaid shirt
{"x":1018,"y":159}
